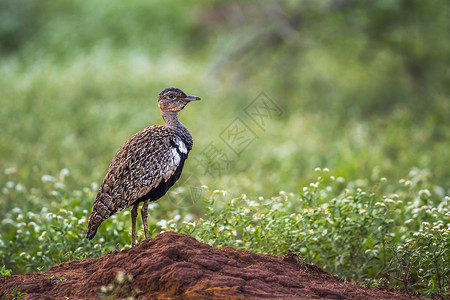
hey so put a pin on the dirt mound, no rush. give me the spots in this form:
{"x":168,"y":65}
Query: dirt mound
{"x":174,"y":265}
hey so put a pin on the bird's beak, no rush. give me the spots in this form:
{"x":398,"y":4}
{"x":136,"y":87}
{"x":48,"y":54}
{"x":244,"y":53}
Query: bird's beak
{"x":191,"y":98}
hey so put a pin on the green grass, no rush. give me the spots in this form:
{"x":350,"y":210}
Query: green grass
{"x":363,"y":91}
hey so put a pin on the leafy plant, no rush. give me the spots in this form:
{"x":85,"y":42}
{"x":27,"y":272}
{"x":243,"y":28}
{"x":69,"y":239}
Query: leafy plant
{"x":5,"y":272}
{"x":16,"y":294}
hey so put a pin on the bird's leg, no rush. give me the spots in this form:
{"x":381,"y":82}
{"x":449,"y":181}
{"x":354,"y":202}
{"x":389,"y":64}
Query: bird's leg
{"x":144,"y":217}
{"x":134,"y":213}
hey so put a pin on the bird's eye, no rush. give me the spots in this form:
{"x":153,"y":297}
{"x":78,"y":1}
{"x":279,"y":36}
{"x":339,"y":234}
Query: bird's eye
{"x":172,"y":96}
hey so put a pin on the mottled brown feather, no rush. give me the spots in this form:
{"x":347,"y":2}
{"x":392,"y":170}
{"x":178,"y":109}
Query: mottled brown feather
{"x":147,"y":164}
{"x":141,"y":164}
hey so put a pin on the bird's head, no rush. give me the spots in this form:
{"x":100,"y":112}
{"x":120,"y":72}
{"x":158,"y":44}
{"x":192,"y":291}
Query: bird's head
{"x":173,"y":99}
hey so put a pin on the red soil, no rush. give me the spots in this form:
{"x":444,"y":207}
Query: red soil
{"x":174,"y":265}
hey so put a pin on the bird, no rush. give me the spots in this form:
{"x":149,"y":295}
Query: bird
{"x":146,"y":166}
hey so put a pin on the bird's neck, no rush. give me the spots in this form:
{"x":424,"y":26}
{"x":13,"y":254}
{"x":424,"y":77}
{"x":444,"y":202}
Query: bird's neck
{"x":172,"y":122}
{"x":171,"y":119}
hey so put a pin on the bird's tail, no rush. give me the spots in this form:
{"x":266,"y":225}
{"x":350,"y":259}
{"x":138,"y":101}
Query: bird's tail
{"x":101,"y":210}
{"x":94,"y":221}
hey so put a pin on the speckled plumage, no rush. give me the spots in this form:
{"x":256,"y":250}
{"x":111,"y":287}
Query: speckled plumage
{"x":146,"y":166}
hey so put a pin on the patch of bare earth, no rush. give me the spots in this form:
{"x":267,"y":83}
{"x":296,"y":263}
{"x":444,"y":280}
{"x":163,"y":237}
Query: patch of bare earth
{"x":174,"y":265}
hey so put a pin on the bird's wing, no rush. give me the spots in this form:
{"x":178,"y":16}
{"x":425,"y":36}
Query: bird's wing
{"x":147,"y":159}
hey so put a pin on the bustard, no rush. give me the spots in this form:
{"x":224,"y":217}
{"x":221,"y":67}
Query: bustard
{"x":146,"y":166}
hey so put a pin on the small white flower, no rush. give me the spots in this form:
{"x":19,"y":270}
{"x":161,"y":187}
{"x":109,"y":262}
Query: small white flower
{"x":253,"y":203}
{"x":9,"y":171}
{"x":8,"y":221}
{"x":120,"y":277}
{"x":189,"y":217}
{"x":36,"y":227}
{"x":152,"y":205}
{"x":59,"y":185}
{"x":65,"y":172}
{"x":42,"y":236}
{"x":94,"y":186}
{"x":47,"y":178}
{"x":425,"y":193}
{"x":162,"y":223}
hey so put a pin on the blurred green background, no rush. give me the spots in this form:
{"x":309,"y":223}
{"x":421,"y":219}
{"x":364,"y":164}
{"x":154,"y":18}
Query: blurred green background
{"x":362,"y":87}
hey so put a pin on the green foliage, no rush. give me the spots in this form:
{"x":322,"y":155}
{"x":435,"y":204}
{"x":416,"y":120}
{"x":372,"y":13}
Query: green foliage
{"x":16,"y":294}
{"x":32,"y":240}
{"x":5,"y":272}
{"x":426,"y":256}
